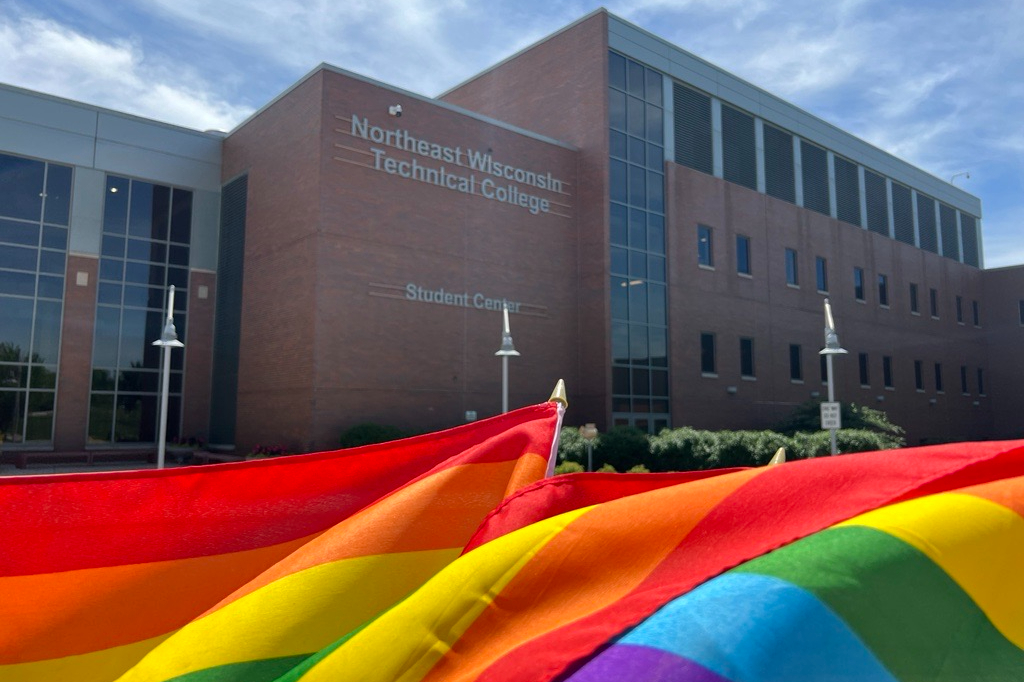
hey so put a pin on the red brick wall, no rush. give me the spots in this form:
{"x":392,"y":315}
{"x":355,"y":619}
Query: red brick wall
{"x":280,"y":149}
{"x":72,"y":413}
{"x":198,"y":355}
{"x":775,"y":315}
{"x":559,"y":88}
{"x":1000,"y":318}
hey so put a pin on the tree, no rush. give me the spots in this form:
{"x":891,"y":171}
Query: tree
{"x":806,"y":418}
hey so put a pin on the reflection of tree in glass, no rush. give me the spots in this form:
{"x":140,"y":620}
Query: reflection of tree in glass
{"x":11,"y":402}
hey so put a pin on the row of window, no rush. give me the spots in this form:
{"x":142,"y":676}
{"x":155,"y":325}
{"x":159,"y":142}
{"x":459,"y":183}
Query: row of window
{"x":709,"y":366}
{"x":705,"y":258}
{"x":803,"y":173}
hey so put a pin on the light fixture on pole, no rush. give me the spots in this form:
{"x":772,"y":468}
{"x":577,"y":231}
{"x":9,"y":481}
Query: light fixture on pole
{"x":589,"y":432}
{"x":168,"y":340}
{"x":506,"y":350}
{"x":830,"y":411}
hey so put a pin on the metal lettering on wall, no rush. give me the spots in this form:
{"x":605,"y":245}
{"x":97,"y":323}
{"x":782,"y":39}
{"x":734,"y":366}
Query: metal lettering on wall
{"x":458,"y":299}
{"x":458,"y":169}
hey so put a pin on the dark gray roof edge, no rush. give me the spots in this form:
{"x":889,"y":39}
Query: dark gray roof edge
{"x":213,"y":134}
{"x":324,"y":66}
{"x":506,"y":60}
{"x":965,"y":198}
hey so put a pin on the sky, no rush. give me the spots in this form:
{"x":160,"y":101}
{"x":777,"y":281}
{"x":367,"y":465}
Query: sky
{"x":937,"y":83}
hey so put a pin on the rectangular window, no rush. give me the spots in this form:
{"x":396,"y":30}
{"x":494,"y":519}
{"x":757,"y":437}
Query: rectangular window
{"x":933,"y":302}
{"x":938,"y":377}
{"x":792,"y":274}
{"x":918,"y":375}
{"x":913,"y":299}
{"x":883,"y":290}
{"x":1020,"y":311}
{"x":981,"y":381}
{"x":705,"y":248}
{"x":959,"y":310}
{"x":747,"y":358}
{"x":976,"y":313}
{"x":865,"y":379}
{"x":858,"y":283}
{"x":796,"y":367}
{"x":821,"y":273}
{"x":963,"y":380}
{"x":742,"y":254}
{"x":707,"y":353}
{"x":887,"y":371}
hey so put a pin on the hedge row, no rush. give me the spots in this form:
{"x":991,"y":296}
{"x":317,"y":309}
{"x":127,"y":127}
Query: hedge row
{"x":688,"y":449}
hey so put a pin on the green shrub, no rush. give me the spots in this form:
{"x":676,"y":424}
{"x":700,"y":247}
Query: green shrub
{"x":369,"y":433}
{"x":806,"y":418}
{"x":571,"y":445}
{"x":622,"y":447}
{"x":569,"y":468}
{"x":607,"y":469}
{"x":639,"y":469}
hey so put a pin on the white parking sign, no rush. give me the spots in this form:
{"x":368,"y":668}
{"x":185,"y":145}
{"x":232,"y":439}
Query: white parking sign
{"x":830,"y":416}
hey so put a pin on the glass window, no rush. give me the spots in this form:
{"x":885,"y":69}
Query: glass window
{"x":918,"y":375}
{"x":963,"y":380}
{"x":635,"y":122}
{"x":16,"y":232}
{"x":938,"y":377}
{"x":742,"y":254}
{"x":887,"y":371}
{"x":51,"y":287}
{"x":706,"y":253}
{"x":858,"y":283}
{"x":747,"y":358}
{"x":656,"y":303}
{"x":636,"y":149}
{"x":617,"y":144}
{"x":635,"y":78}
{"x":976,"y":313}
{"x":15,"y":329}
{"x":959,"y":310}
{"x":1020,"y":311}
{"x":18,"y":258}
{"x":659,"y":346}
{"x":707,"y":353}
{"x":115,"y":208}
{"x":55,"y":237}
{"x":21,"y":188}
{"x":617,"y":110}
{"x":618,"y":181}
{"x":865,"y":379}
{"x":17,"y":283}
{"x":913,"y":298}
{"x":653,"y":89}
{"x":883,"y":290}
{"x":617,"y":71}
{"x":618,"y":227}
{"x":981,"y":382}
{"x":58,"y":195}
{"x":792,"y":274}
{"x":933,"y":301}
{"x":796,"y":366}
{"x":821,"y":274}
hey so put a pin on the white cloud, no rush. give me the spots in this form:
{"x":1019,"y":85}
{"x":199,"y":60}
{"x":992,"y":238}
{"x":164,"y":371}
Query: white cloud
{"x":47,"y":56}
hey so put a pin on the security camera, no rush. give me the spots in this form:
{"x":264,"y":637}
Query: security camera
{"x":395,"y":110}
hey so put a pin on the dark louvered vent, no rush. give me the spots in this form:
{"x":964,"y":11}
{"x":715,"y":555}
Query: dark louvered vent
{"x":779,"y":179}
{"x":902,"y":213}
{"x":847,"y":191}
{"x":950,"y":239}
{"x":692,"y":128}
{"x":926,"y":223}
{"x":968,"y":230}
{"x":739,"y":150}
{"x":228,"y":318}
{"x":814,"y":162}
{"x":878,"y":205}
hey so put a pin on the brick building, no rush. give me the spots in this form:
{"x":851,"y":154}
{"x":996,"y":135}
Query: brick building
{"x":662,"y":232}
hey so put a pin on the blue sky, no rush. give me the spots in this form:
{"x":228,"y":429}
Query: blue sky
{"x":937,"y":83}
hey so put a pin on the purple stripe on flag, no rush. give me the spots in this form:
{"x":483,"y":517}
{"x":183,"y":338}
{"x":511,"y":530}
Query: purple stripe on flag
{"x":642,"y":664}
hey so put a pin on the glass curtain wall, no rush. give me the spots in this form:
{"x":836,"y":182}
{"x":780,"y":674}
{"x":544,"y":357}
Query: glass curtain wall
{"x":147,"y":230}
{"x":640,"y":383}
{"x":35,"y":208}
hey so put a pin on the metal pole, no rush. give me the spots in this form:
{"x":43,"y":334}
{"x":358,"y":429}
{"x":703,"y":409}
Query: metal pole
{"x":504,"y":384}
{"x":831,"y":399}
{"x":590,"y":456}
{"x":165,"y":353}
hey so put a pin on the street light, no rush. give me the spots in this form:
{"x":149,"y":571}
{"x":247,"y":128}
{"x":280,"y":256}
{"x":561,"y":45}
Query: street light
{"x":831,"y":348}
{"x":589,"y":432}
{"x":506,"y":350}
{"x":168,"y":340}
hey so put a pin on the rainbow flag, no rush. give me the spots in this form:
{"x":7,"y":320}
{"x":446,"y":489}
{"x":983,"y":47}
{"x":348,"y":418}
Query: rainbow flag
{"x":243,"y":571}
{"x":898,"y":565}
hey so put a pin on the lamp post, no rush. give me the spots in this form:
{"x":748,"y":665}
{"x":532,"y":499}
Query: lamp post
{"x":168,"y":340}
{"x":506,"y":350}
{"x":589,"y":432}
{"x":832,"y":347}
